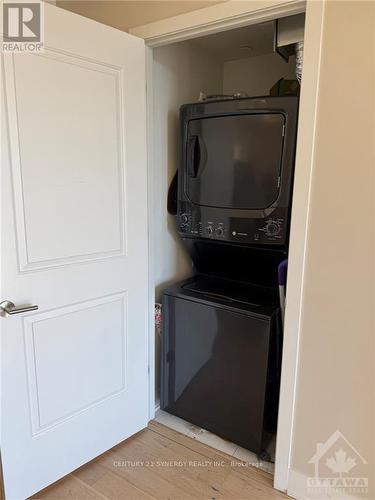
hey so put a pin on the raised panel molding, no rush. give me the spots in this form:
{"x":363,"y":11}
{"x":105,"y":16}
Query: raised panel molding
{"x":27,"y":239}
{"x":57,"y":348}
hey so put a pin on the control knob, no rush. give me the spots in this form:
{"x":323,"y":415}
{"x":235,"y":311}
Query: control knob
{"x":272,"y":228}
{"x":210,"y":230}
{"x":219,"y":231}
{"x":184,"y":219}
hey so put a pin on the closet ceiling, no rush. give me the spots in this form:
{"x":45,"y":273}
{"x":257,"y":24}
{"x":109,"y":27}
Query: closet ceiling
{"x":124,"y":15}
{"x":249,"y":41}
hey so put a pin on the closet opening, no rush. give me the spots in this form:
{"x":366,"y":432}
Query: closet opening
{"x":224,"y":134}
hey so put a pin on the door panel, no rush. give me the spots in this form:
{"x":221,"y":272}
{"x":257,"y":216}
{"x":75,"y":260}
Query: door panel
{"x":53,"y":368}
{"x":49,"y":176}
{"x":74,"y":241}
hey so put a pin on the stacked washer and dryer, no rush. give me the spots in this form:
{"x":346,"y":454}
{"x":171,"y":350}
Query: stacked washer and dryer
{"x":222,"y":328}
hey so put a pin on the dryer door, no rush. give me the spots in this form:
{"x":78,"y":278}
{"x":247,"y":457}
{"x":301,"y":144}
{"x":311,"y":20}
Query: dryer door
{"x":234,"y":161}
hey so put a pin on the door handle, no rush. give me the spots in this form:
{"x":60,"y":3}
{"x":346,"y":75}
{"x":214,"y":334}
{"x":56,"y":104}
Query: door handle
{"x":7,"y":308}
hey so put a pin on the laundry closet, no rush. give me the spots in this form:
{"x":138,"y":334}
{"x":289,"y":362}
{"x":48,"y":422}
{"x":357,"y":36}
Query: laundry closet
{"x":227,"y":68}
{"x":89,"y":245}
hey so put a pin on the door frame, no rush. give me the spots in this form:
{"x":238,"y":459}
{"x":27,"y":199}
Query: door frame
{"x":214,"y":19}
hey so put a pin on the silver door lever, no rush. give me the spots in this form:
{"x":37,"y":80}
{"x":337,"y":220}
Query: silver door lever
{"x":7,"y":308}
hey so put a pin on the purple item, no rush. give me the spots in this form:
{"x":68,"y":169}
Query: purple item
{"x":281,"y":271}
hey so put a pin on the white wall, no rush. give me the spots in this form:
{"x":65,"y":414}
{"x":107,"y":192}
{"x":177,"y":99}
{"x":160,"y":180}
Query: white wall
{"x":336,"y":385}
{"x":180,"y":72}
{"x":256,"y":75}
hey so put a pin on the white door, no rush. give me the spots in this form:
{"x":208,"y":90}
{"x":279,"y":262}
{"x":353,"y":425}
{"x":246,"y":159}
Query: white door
{"x":74,"y":242}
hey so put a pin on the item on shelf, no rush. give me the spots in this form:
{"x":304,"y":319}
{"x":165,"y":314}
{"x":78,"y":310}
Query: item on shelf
{"x":158,"y":318}
{"x":285,"y":87}
{"x":218,"y":97}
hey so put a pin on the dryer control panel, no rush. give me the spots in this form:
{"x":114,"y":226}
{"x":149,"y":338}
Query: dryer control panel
{"x":269,"y":230}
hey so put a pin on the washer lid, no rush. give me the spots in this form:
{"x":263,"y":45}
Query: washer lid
{"x":233,"y":292}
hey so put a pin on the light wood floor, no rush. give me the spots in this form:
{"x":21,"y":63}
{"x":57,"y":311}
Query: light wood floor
{"x":159,"y":463}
